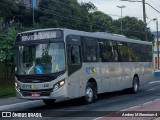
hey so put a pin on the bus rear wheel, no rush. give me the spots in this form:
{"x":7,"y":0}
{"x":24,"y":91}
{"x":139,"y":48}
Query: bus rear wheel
{"x":49,"y":102}
{"x":90,"y":93}
{"x":135,"y":85}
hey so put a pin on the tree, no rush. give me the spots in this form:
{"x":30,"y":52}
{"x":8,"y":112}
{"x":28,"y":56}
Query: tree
{"x":132,"y":27}
{"x":7,"y":39}
{"x":101,"y":22}
{"x":8,"y":11}
{"x":88,"y":7}
{"x":69,"y":14}
{"x":59,"y":13}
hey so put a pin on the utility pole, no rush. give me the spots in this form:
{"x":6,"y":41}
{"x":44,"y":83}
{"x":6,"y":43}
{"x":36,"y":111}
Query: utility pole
{"x":157,"y":43}
{"x":33,"y":16}
{"x":33,"y":11}
{"x":144,"y":16}
{"x":121,"y":15}
{"x":144,"y":19}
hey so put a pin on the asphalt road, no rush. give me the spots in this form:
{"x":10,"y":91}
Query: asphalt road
{"x":74,"y":109}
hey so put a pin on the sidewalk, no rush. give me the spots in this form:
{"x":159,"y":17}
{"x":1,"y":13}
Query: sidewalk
{"x":147,"y":111}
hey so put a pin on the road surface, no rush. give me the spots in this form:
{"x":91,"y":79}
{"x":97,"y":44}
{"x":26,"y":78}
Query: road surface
{"x":115,"y":101}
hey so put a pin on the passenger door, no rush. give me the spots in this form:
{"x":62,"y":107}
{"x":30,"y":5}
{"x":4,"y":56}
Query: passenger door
{"x":74,"y":65}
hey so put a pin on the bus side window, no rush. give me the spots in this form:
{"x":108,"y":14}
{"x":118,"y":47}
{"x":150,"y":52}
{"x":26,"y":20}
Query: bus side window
{"x":115,"y":57}
{"x":106,"y":53}
{"x":74,"y":54}
{"x":90,"y":49}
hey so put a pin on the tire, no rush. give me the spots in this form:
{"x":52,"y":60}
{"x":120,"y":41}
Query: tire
{"x":135,"y":85}
{"x":49,"y":102}
{"x":90,"y":93}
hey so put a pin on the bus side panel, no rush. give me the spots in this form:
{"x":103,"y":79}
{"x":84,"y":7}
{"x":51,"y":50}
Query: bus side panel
{"x":105,"y":75}
{"x":78,"y":80}
{"x":74,"y":84}
{"x":148,"y":73}
{"x":113,"y":86}
{"x":126,"y":73}
{"x":115,"y":76}
{"x":92,"y":71}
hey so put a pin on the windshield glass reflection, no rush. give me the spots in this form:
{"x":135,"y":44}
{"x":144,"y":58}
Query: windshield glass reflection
{"x":41,"y":58}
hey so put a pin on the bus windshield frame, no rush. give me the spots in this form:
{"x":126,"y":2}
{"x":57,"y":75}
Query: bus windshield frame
{"x":40,"y":58}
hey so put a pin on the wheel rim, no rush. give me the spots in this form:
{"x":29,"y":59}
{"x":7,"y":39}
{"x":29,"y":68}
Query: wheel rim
{"x":135,"y":86}
{"x":89,"y":94}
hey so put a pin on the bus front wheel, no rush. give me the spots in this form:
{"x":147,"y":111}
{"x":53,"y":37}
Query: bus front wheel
{"x":89,"y":93}
{"x":49,"y":102}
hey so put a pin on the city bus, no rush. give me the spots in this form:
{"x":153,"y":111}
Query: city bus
{"x":60,"y":63}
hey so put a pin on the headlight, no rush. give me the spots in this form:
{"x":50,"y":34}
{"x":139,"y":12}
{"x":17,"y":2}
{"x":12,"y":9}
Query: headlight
{"x":17,"y":86}
{"x":62,"y":83}
{"x":58,"y":85}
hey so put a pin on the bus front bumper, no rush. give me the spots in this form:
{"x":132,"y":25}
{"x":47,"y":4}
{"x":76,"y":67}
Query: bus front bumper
{"x":42,"y":94}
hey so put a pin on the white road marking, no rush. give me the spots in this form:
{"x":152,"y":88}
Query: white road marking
{"x":16,"y":105}
{"x":154,"y":82}
{"x":140,"y":104}
{"x":98,"y":118}
{"x":151,"y":89}
{"x":148,"y":102}
{"x":129,"y":108}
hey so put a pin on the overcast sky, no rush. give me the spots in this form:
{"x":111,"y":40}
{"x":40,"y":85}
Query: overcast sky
{"x":132,"y":9}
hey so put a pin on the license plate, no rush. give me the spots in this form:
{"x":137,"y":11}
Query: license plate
{"x":35,"y":94}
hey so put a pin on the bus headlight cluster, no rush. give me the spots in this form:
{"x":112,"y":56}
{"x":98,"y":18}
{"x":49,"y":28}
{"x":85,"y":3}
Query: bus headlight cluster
{"x":58,"y":85}
{"x":17,"y":86}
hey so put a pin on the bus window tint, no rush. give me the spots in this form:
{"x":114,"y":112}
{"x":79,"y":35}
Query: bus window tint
{"x":124,"y":51}
{"x":146,"y":53}
{"x":106,"y":51}
{"x":74,"y":54}
{"x":115,"y":51}
{"x":139,"y":52}
{"x":149,"y":53}
{"x":90,"y":49}
{"x":132,"y":52}
{"x":116,"y":54}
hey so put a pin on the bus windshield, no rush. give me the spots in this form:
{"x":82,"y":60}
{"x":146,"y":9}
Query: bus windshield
{"x":41,"y":58}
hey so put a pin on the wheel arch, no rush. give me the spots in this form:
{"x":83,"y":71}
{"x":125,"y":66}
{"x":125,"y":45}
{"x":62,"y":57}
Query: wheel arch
{"x":136,"y":75}
{"x":94,"y":82}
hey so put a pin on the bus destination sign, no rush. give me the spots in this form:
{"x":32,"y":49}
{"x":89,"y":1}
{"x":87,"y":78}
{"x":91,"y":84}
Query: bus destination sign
{"x":39,"y":35}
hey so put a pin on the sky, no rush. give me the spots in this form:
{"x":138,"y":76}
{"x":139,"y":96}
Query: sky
{"x":132,"y":9}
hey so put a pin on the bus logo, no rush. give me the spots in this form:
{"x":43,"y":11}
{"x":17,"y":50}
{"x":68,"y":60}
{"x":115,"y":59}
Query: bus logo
{"x":91,"y":70}
{"x":6,"y":114}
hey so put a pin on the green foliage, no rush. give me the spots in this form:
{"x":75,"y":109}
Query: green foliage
{"x":7,"y":91}
{"x":101,"y":22}
{"x":89,"y":7}
{"x":66,"y":14}
{"x":7,"y":7}
{"x":7,"y":39}
{"x":131,"y":27}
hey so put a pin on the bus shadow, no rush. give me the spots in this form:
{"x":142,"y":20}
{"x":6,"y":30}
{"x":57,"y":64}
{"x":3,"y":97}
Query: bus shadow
{"x":79,"y":102}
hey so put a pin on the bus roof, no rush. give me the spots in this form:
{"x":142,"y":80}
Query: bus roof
{"x":102,"y":35}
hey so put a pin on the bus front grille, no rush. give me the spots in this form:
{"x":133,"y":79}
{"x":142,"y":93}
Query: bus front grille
{"x":33,"y":80}
{"x":46,"y":92}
